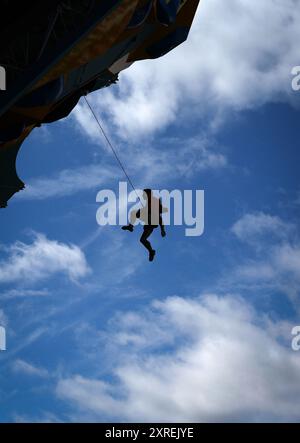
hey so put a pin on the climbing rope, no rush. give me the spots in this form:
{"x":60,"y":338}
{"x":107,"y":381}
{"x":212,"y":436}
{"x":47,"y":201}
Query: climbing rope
{"x":112,"y":148}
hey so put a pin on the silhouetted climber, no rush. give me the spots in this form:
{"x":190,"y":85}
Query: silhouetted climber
{"x":151,"y":215}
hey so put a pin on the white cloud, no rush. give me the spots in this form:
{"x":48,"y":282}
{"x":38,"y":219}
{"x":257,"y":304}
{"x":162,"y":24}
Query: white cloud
{"x":238,"y":56}
{"x":23,"y":367}
{"x":252,"y":227}
{"x":29,"y":263}
{"x":223,"y":363}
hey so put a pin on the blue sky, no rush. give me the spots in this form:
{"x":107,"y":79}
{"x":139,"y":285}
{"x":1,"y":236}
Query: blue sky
{"x":97,"y":333}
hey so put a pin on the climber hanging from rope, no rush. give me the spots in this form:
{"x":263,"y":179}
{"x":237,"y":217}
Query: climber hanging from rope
{"x":151,"y":216}
{"x":151,"y":213}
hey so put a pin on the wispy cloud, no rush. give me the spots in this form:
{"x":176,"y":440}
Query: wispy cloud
{"x":27,"y":340}
{"x":175,"y":158}
{"x":3,"y":318}
{"x":23,"y":367}
{"x":155,"y":166}
{"x":278,"y":268}
{"x":44,"y":417}
{"x":23,"y":293}
{"x":271,"y":260}
{"x":68,"y":182}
